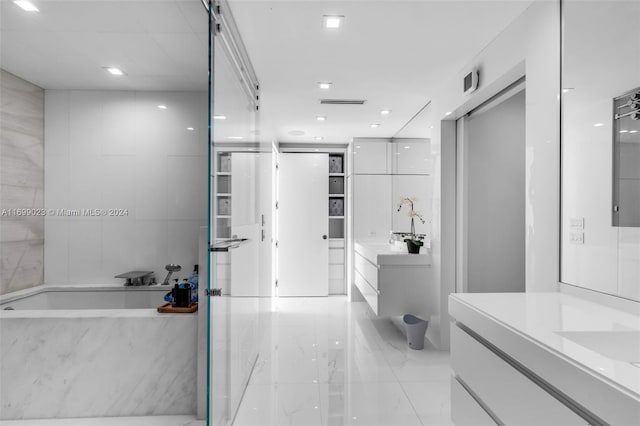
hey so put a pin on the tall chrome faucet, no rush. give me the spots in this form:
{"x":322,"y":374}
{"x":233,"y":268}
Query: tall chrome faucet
{"x":172,"y":267}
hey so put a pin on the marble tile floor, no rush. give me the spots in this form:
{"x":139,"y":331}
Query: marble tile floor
{"x":326,"y":361}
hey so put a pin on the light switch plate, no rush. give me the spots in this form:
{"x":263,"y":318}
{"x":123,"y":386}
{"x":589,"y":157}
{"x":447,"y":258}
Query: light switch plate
{"x":576,"y":238}
{"x":576,"y":223}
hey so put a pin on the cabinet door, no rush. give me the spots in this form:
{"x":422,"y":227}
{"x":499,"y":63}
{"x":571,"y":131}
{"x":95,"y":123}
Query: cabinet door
{"x":370,"y":157}
{"x":371,"y":207}
{"x":412,"y":158}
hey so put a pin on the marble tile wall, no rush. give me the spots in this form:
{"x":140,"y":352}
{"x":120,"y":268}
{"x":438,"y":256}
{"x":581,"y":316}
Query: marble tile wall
{"x":21,"y":183}
{"x":119,"y":363}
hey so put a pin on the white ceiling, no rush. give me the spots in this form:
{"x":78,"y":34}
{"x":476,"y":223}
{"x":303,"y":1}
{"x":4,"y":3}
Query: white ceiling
{"x":160,"y":44}
{"x":393,"y":53}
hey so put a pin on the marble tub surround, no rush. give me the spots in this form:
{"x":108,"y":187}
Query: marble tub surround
{"x":545,"y":332}
{"x":96,"y":363}
{"x":21,"y":182}
{"x":112,"y":421}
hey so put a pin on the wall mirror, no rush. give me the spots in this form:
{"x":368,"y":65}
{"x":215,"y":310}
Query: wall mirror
{"x":600,"y":220}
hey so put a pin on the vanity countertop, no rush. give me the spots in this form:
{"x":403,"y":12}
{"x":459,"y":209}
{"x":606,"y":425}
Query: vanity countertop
{"x":380,"y":253}
{"x":584,"y":336}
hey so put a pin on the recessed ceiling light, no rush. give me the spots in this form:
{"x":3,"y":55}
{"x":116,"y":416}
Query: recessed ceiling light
{"x":26,"y":5}
{"x":321,"y":117}
{"x":190,"y":129}
{"x":219,"y":117}
{"x":448,"y":113}
{"x":407,"y":147}
{"x":114,"y":71}
{"x":431,"y":127}
{"x":162,"y":106}
{"x":567,"y":89}
{"x":324,"y":85}
{"x":374,"y":125}
{"x":633,"y":131}
{"x":237,"y":138}
{"x":318,"y":138}
{"x":316,"y":150}
{"x":623,"y":131}
{"x":598,"y":125}
{"x":332,"y":22}
{"x":385,"y":112}
{"x":358,"y":146}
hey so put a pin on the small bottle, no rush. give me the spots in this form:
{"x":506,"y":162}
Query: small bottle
{"x":193,"y":281}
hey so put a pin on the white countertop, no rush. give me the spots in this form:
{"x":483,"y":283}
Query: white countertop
{"x":380,"y":253}
{"x":553,"y":320}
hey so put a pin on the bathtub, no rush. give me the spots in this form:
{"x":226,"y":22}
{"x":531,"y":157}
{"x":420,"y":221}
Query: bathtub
{"x":94,"y":351}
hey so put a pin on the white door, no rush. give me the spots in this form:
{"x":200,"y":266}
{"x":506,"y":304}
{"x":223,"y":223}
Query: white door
{"x":303,"y":225}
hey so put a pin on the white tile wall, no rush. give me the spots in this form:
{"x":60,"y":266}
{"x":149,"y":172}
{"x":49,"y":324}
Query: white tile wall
{"x":118,"y":150}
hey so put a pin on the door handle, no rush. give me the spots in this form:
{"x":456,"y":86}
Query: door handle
{"x":324,"y":237}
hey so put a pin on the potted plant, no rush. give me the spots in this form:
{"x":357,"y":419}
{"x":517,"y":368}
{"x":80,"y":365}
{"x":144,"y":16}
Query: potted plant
{"x":413,"y":245}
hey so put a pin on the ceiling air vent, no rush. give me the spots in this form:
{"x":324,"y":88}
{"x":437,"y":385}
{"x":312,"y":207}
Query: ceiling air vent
{"x":342,"y":101}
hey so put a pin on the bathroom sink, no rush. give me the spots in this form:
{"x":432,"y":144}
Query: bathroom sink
{"x":621,"y":345}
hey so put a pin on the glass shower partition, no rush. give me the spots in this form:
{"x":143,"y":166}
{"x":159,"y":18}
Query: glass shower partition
{"x":240,"y":220}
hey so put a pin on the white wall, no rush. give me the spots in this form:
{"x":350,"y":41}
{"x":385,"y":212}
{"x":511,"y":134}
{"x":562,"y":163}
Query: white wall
{"x":529,"y":45}
{"x":118,"y":150}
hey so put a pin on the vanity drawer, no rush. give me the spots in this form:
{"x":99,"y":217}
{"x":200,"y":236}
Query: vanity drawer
{"x":465,"y":411}
{"x":336,"y":243}
{"x":336,"y":256}
{"x":336,"y":272}
{"x":221,"y":258}
{"x":368,"y":292}
{"x":222,"y":272}
{"x":510,"y":395}
{"x":368,"y":270}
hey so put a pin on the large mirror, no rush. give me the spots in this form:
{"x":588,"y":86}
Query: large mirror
{"x":601,"y":146}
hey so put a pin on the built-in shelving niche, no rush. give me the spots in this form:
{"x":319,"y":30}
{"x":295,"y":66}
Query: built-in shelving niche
{"x":223,"y":195}
{"x":337,"y":202}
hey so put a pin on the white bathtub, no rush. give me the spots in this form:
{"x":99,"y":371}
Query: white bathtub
{"x":86,"y":297}
{"x":94,"y":351}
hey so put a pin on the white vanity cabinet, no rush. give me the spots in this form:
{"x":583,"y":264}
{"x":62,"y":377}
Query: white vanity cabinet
{"x":393,"y":283}
{"x":512,"y":397}
{"x":514,"y":362}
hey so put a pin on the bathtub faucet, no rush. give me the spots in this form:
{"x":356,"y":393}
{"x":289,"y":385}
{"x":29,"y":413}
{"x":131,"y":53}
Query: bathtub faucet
{"x":137,"y":278}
